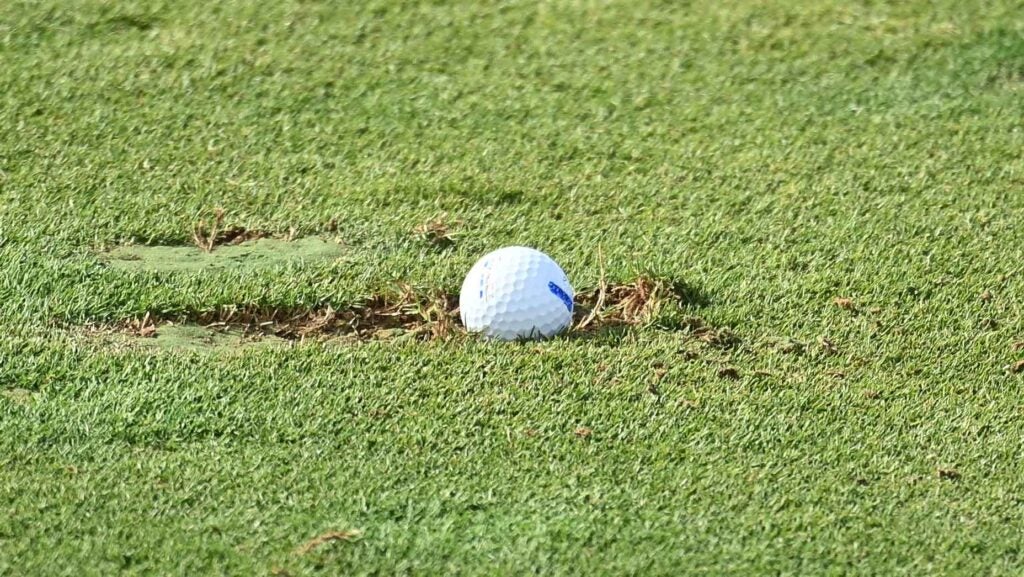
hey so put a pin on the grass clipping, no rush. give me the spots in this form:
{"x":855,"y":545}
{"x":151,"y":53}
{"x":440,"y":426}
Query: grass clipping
{"x":633,"y":303}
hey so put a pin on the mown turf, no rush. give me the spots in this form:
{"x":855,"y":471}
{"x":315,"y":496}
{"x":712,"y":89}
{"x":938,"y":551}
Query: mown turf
{"x":773,"y":156}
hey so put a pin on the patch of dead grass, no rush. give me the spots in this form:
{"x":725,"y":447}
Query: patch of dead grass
{"x":144,"y":327}
{"x":846,"y":304}
{"x":427,"y":317}
{"x":631,"y":303}
{"x":329,"y":537}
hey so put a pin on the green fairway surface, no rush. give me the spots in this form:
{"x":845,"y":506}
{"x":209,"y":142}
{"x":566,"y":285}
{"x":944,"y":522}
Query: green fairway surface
{"x":771,"y":156}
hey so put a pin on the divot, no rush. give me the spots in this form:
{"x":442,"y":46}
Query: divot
{"x":402,"y":314}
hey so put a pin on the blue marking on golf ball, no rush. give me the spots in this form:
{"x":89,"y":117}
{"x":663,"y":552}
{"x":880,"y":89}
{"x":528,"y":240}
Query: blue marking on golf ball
{"x":558,"y":292}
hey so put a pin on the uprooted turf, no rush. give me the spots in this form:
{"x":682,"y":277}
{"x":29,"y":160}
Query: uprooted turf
{"x":835,"y":188}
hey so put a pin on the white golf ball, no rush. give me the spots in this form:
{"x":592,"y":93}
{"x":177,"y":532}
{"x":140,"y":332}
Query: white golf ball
{"x":516,"y":293}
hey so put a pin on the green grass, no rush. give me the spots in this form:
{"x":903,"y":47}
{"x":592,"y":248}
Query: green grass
{"x":773,"y":156}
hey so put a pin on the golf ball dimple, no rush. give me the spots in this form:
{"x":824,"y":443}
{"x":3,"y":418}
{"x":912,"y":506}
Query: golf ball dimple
{"x":516,"y":293}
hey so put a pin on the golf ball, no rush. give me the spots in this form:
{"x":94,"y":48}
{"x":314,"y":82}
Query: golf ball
{"x":516,"y":293}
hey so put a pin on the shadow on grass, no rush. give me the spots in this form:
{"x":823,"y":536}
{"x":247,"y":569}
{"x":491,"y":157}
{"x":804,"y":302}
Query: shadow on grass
{"x":690,"y":295}
{"x":607,"y":336}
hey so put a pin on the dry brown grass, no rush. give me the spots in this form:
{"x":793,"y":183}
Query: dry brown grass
{"x":844,"y":303}
{"x":208,"y":236}
{"x":330,"y":536}
{"x":144,"y":327}
{"x":438,"y":231}
{"x":622,"y":304}
{"x":426,"y":315}
{"x":205,"y":237}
